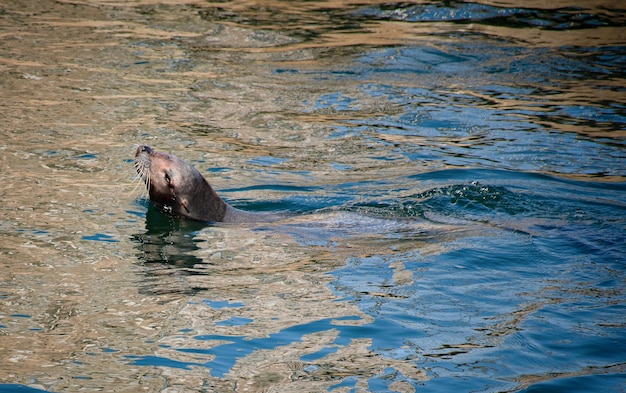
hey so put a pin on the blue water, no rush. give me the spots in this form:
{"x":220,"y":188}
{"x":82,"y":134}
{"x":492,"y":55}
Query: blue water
{"x":545,"y":302}
{"x":494,"y":309}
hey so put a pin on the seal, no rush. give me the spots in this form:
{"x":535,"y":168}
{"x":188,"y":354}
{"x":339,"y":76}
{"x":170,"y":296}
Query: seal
{"x":177,"y":188}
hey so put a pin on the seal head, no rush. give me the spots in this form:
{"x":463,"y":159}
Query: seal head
{"x":178,"y":188}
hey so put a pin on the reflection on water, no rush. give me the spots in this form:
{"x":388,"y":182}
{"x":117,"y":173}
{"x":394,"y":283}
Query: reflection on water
{"x":166,"y":249}
{"x":455,"y":173}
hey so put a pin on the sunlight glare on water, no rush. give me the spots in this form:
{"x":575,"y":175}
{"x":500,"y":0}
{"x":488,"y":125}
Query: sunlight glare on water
{"x":452,"y":176}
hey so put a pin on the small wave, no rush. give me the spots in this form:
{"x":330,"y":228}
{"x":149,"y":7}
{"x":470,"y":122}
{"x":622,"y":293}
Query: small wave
{"x":461,"y":200}
{"x":556,"y":19}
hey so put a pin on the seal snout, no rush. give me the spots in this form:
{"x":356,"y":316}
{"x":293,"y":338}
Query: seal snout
{"x":143,"y":149}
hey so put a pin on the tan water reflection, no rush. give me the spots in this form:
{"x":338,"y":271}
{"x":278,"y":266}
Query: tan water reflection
{"x":82,"y":83}
{"x":76,"y":98}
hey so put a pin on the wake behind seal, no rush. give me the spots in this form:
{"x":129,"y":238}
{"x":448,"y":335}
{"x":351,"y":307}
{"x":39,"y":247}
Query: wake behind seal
{"x":177,"y":188}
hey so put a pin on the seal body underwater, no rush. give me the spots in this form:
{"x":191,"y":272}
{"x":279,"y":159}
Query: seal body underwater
{"x":179,"y":189}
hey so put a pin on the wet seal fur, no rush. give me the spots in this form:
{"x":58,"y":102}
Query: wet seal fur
{"x":177,"y":188}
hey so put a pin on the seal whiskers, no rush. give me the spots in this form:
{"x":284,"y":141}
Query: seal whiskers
{"x":142,"y":176}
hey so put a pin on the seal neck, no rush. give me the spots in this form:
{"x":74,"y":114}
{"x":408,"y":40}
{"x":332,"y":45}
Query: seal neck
{"x":210,"y":208}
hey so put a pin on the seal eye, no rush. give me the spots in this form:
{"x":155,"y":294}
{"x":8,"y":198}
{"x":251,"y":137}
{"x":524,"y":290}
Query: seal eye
{"x":168,"y":179}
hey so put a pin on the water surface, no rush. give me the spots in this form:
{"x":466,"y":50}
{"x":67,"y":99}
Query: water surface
{"x":453,"y":174}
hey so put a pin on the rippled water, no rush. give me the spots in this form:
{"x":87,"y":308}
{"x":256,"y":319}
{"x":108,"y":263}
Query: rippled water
{"x":454,"y":176}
